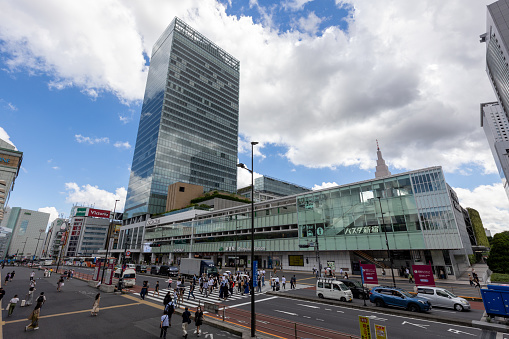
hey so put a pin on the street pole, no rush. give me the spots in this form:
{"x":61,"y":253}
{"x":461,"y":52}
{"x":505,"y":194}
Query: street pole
{"x":37,"y":246}
{"x":120,"y":279}
{"x":387,"y":241}
{"x":253,"y":314}
{"x":317,"y":248}
{"x":25,"y":244}
{"x":236,"y":248}
{"x":108,"y":240}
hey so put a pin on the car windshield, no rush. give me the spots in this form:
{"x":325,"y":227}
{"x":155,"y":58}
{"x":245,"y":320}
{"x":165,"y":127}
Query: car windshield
{"x":343,"y":287}
{"x":356,"y":283}
{"x":212,"y":270}
{"x":406,"y":294}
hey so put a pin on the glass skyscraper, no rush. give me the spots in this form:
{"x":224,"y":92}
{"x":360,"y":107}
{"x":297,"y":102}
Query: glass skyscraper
{"x":188,"y":128}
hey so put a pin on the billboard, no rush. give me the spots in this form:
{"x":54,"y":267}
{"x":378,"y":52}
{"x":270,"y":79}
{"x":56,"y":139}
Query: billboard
{"x":368,"y":272}
{"x":92,"y":212}
{"x":423,"y":275}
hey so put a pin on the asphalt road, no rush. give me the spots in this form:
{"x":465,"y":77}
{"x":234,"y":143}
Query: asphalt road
{"x":66,"y":314}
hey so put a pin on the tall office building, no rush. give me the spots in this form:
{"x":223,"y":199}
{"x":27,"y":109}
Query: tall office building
{"x":496,"y":127}
{"x":494,"y":116}
{"x":497,"y":52}
{"x":189,"y":120}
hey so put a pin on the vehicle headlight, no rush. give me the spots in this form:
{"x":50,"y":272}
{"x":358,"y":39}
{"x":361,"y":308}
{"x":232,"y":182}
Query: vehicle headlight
{"x":464,"y":302}
{"x":422,"y":302}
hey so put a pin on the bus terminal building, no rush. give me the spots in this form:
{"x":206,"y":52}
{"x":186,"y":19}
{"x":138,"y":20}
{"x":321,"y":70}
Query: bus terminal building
{"x":417,"y":211}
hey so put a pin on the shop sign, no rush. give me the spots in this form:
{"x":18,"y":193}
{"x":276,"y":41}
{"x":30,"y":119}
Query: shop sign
{"x":152,"y":222}
{"x":423,"y":275}
{"x":362,"y":230}
{"x":178,"y":250}
{"x":365,"y":328}
{"x":368,"y":272}
{"x":92,"y":212}
{"x":240,"y":249}
{"x":380,"y":332}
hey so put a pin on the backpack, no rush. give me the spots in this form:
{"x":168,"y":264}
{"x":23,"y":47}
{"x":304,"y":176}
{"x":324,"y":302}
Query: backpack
{"x":40,"y":299}
{"x":170,"y":308}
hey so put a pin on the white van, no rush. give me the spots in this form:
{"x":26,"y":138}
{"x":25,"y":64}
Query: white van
{"x":129,"y":277}
{"x":333,"y":289}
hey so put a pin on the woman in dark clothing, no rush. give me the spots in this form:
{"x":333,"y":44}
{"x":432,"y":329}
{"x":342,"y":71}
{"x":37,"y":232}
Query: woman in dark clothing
{"x":198,"y":320}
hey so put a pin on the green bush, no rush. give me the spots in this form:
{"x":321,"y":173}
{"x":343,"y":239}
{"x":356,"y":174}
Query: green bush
{"x":216,"y":194}
{"x":480,"y":233}
{"x":500,"y":278}
{"x":472,"y":258}
{"x":498,"y":261}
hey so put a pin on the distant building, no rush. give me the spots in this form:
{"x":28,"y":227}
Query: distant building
{"x":488,"y":232}
{"x":28,"y":232}
{"x":382,"y":170}
{"x":10,"y":163}
{"x":188,"y":129}
{"x":52,"y":243}
{"x":267,"y":188}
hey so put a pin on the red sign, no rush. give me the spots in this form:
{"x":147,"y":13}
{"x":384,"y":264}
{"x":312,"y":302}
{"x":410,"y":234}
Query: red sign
{"x":92,"y":212}
{"x":423,"y":275}
{"x":369,"y":274}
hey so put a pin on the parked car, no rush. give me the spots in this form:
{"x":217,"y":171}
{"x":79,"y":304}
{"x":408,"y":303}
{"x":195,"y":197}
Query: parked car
{"x":173,"y":271}
{"x":154,"y":270}
{"x":332,"y":289}
{"x":164,"y":270}
{"x":356,"y":287}
{"x":440,"y":297}
{"x":141,"y":268}
{"x":389,"y":296}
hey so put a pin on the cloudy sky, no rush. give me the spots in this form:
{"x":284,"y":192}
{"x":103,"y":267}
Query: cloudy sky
{"x":320,"y":82}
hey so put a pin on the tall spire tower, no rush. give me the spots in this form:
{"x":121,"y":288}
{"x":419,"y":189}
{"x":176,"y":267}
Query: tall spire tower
{"x":381,"y":168}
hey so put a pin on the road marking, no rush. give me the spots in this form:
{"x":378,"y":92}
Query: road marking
{"x":67,"y":313}
{"x":374,"y":317}
{"x":308,"y":306}
{"x":458,"y":332}
{"x":320,"y":319}
{"x":328,"y":309}
{"x":418,"y":325}
{"x":281,"y":312}
{"x":340,"y":311}
{"x":435,"y":310}
{"x":248,"y":303}
{"x":305,"y":316}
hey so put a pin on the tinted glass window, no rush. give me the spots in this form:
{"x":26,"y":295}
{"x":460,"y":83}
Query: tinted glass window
{"x":320,"y":284}
{"x":336,"y":287}
{"x":328,"y":286}
{"x":442,"y":294}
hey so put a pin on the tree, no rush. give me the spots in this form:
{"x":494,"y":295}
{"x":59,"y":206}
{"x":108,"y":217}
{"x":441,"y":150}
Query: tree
{"x":498,"y":261}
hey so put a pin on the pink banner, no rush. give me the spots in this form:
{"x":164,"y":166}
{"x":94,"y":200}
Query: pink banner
{"x":92,"y":212}
{"x":423,"y":275}
{"x":369,"y":274}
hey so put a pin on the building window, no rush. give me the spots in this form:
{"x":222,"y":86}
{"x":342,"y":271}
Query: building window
{"x":182,"y":189}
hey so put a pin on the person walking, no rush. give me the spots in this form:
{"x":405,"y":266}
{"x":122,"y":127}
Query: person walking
{"x":293,"y":282}
{"x":12,"y":275}
{"x":95,"y":307}
{"x":410,"y":277}
{"x":144,"y":289}
{"x":283,"y":282}
{"x":259,"y":284}
{"x":12,"y":304}
{"x":186,"y":320}
{"x":156,"y":289}
{"x":32,"y":275}
{"x":169,"y":309}
{"x":2,"y":293}
{"x":30,"y":296}
{"x":34,"y":317}
{"x":165,"y":323}
{"x":60,"y":283}
{"x":41,"y":300}
{"x":7,"y":277}
{"x":167,"y":299}
{"x":198,"y":320}
{"x":191,"y":292}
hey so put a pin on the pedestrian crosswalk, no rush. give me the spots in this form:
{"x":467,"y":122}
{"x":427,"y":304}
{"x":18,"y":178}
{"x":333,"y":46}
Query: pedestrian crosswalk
{"x":200,"y":298}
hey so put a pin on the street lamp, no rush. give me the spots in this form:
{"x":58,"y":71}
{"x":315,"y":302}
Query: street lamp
{"x":108,"y":240}
{"x":25,"y":243}
{"x":387,"y":241}
{"x":253,"y":315}
{"x":36,"y":247}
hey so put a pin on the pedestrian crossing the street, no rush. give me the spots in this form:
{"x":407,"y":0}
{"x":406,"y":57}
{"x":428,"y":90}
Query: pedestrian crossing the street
{"x":200,"y":298}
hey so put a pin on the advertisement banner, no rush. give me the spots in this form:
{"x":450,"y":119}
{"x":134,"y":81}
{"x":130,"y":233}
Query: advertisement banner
{"x":109,"y":274}
{"x":365,"y":328}
{"x":423,"y":275}
{"x":369,"y":275}
{"x":92,"y":212}
{"x":380,"y":332}
{"x":81,"y":212}
{"x":255,"y":268}
{"x":97,"y":271}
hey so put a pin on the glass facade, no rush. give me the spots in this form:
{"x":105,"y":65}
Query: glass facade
{"x":277,"y":187}
{"x":414,"y":209}
{"x":188,"y":128}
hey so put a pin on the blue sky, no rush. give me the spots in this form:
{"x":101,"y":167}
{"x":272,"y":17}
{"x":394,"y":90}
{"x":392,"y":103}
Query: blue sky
{"x":320,"y":82}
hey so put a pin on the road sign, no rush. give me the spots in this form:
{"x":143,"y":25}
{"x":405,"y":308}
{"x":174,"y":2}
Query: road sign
{"x":255,"y":269}
{"x":128,"y":253}
{"x":380,"y":332}
{"x":365,"y":328}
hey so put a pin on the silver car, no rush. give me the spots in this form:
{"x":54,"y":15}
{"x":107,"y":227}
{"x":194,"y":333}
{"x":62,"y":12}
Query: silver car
{"x":441,"y":297}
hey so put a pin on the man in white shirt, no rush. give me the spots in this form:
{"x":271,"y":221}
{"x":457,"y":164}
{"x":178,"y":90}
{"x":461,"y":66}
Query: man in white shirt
{"x":283,"y":282}
{"x":32,"y":275}
{"x":12,"y":304}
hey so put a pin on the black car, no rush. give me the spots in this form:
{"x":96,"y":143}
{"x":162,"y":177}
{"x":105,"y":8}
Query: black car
{"x":164,"y":270}
{"x":356,"y":287}
{"x":173,"y":271}
{"x":154,"y":270}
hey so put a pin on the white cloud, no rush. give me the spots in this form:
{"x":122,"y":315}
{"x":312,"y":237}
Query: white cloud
{"x":126,"y":117}
{"x":24,"y":169}
{"x":120,"y":144}
{"x":244,"y":177}
{"x":92,"y":195}
{"x":310,"y":24}
{"x":324,"y":185}
{"x":492,"y":204}
{"x":55,"y":167}
{"x":53,"y":213}
{"x":409,"y":73}
{"x":5,"y":137}
{"x":245,"y":148}
{"x":295,"y":5}
{"x":81,"y":139}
